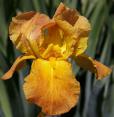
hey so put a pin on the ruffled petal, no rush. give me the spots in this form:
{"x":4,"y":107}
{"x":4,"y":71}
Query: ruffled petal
{"x":52,"y":51}
{"x":33,"y":32}
{"x":52,"y":35}
{"x":15,"y":29}
{"x":66,"y":18}
{"x":65,"y":27}
{"x":60,"y":9}
{"x":92,"y":65}
{"x":53,"y":41}
{"x":56,"y":43}
{"x":75,"y":26}
{"x":52,"y":85}
{"x":25,"y":31}
{"x":66,"y":14}
{"x":82,"y":27}
{"x":16,"y":66}
{"x":81,"y":46}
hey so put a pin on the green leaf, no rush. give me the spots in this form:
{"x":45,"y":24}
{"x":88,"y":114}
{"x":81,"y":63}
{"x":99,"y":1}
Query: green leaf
{"x":3,"y":28}
{"x":95,"y":100}
{"x":4,"y":100}
{"x":97,"y":20}
{"x":85,"y":5}
{"x":108,"y":102}
{"x":26,"y":5}
{"x":42,"y":4}
{"x":36,"y":5}
{"x":106,"y":53}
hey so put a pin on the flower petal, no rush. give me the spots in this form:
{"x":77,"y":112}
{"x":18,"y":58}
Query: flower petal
{"x":53,"y":40}
{"x":66,"y":18}
{"x":17,"y":65}
{"x":52,"y":85}
{"x":33,"y":32}
{"x":52,"y":35}
{"x":82,"y":27}
{"x":66,"y":14}
{"x":81,"y":45}
{"x":15,"y":28}
{"x":25,"y":32}
{"x":56,"y":43}
{"x":92,"y":65}
{"x":65,"y":26}
{"x":60,"y":9}
{"x":52,"y":51}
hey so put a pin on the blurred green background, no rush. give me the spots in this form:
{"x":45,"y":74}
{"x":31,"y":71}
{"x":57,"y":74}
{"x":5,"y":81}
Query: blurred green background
{"x":97,"y":97}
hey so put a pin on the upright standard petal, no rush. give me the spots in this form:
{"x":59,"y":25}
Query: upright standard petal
{"x":60,"y":9}
{"x":74,"y":25}
{"x":52,"y":85}
{"x":94,"y":66}
{"x":65,"y":27}
{"x":80,"y":46}
{"x":33,"y":32}
{"x":15,"y":29}
{"x":82,"y":27}
{"x":56,"y":43}
{"x":25,"y":31}
{"x":66,"y":14}
{"x":17,"y":64}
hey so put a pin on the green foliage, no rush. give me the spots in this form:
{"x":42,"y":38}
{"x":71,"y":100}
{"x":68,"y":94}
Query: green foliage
{"x":97,"y":97}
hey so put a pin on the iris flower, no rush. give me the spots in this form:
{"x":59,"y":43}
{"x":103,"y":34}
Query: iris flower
{"x":50,"y":43}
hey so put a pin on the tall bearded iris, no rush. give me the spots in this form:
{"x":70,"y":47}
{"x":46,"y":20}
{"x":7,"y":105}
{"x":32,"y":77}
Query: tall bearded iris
{"x":51,"y":83}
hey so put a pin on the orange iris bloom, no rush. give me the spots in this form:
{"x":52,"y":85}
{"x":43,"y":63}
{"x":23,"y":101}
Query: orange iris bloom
{"x":51,"y":83}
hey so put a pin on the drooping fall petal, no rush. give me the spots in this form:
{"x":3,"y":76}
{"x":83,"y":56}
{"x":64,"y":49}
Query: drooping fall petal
{"x":17,"y":65}
{"x":92,"y":65}
{"x":52,"y":85}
